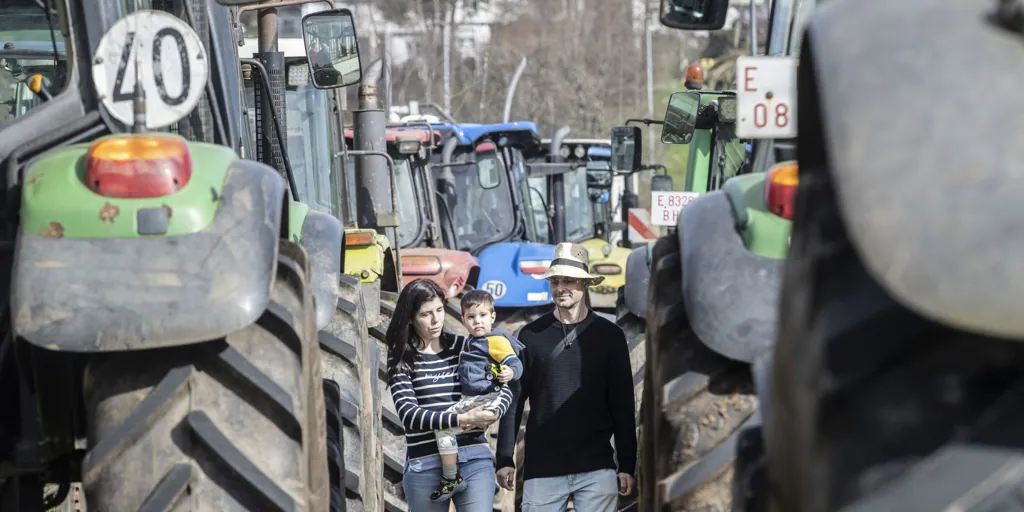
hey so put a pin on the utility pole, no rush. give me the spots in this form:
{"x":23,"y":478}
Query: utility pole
{"x":447,"y":46}
{"x":753,"y":28}
{"x":650,"y":78}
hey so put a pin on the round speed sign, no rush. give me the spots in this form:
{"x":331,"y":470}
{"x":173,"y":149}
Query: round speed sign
{"x":171,"y":63}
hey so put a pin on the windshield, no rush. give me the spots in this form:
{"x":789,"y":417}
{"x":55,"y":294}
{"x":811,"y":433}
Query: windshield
{"x":480,"y":214}
{"x":309,"y":146}
{"x":26,"y":48}
{"x":409,"y":219}
{"x":579,"y":214}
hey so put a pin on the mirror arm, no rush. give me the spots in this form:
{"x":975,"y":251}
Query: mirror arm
{"x":644,"y":121}
{"x":653,"y":167}
{"x":268,"y":4}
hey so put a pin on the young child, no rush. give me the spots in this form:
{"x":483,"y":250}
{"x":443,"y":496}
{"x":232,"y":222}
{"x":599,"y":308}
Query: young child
{"x":489,"y":361}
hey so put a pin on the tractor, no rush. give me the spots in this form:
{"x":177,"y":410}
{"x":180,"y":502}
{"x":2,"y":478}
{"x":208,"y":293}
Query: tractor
{"x":205,"y":289}
{"x":897,"y":358}
{"x":325,"y":162}
{"x":708,"y":291}
{"x":586,"y":206}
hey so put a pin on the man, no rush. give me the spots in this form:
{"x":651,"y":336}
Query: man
{"x":578,"y":379}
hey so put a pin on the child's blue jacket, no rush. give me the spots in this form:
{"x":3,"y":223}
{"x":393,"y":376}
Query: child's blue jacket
{"x":497,"y":347}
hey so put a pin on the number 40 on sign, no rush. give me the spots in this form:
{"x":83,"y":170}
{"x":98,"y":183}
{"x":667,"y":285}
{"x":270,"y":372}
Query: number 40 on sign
{"x":665,"y":206}
{"x":766,"y":97}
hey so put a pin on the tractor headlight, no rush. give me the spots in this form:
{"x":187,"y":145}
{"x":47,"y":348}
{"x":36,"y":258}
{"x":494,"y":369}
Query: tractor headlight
{"x":580,"y":151}
{"x":298,"y":75}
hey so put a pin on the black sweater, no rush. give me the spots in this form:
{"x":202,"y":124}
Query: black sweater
{"x":586,"y":398}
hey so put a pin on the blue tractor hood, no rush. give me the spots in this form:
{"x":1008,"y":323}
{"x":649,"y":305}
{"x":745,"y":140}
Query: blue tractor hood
{"x":502,"y":276}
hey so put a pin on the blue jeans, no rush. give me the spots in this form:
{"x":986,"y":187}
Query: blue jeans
{"x":478,"y":496}
{"x":594,"y":491}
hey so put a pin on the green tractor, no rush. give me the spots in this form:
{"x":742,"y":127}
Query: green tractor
{"x":153,"y":308}
{"x":327,"y":172}
{"x":708,"y":291}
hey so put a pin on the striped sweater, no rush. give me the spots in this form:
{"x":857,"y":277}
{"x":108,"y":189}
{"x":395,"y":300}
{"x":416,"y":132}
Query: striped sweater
{"x":422,"y":397}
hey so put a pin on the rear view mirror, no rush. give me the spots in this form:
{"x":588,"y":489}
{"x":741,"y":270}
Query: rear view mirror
{"x":694,"y":14}
{"x":680,"y":118}
{"x":661,"y":183}
{"x":331,"y":48}
{"x":626,"y":150}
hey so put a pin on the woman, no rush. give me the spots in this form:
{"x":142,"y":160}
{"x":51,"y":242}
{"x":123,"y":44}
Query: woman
{"x":422,"y":373}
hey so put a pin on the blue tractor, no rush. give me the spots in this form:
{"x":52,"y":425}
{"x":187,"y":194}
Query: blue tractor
{"x":490,"y":210}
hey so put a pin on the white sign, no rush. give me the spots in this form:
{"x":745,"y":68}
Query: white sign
{"x":497,"y":289}
{"x":665,"y":206}
{"x":171,"y":62}
{"x":766,"y":97}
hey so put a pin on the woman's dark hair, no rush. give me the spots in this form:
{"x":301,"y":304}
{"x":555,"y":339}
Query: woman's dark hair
{"x":401,"y":337}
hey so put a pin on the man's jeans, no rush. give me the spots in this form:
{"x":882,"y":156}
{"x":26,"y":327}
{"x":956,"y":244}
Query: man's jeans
{"x":594,"y":491}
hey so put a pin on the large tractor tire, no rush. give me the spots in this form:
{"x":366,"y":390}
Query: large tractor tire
{"x":634,"y":329}
{"x":873,"y":406}
{"x":230,"y":424}
{"x":393,"y":432}
{"x":340,"y":342}
{"x":694,"y":402}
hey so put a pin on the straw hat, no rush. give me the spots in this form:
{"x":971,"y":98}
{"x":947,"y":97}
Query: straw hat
{"x":571,"y":260}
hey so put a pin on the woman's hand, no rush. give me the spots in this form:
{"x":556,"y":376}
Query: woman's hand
{"x":505,"y":374}
{"x":477,"y":418}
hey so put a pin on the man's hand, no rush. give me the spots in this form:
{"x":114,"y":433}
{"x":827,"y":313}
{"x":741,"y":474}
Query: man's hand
{"x":625,"y":484}
{"x":505,"y":374}
{"x":506,"y":477}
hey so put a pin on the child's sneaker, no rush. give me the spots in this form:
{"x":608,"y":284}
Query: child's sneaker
{"x":447,"y":489}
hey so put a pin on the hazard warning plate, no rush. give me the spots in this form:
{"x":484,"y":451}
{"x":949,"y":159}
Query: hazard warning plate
{"x":665,"y":206}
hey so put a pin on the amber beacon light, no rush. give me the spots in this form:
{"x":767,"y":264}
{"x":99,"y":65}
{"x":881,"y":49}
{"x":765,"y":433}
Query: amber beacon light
{"x":138,"y":166}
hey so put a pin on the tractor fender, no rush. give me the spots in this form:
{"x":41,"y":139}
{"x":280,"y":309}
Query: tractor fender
{"x":928,"y":189}
{"x":457,"y":268}
{"x":638,"y":279}
{"x":730,"y":293}
{"x":502,"y":276}
{"x":322,"y":238}
{"x":110,"y":294}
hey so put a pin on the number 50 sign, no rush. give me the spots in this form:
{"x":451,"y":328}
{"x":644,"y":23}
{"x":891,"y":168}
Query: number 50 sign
{"x":766,"y":97}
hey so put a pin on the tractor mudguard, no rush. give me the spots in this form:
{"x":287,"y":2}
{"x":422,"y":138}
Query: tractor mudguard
{"x":928,"y":187}
{"x":638,"y":279}
{"x":455,"y":269}
{"x":321,"y":237}
{"x":730,"y":293}
{"x":502,"y":276}
{"x":97,"y":295}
